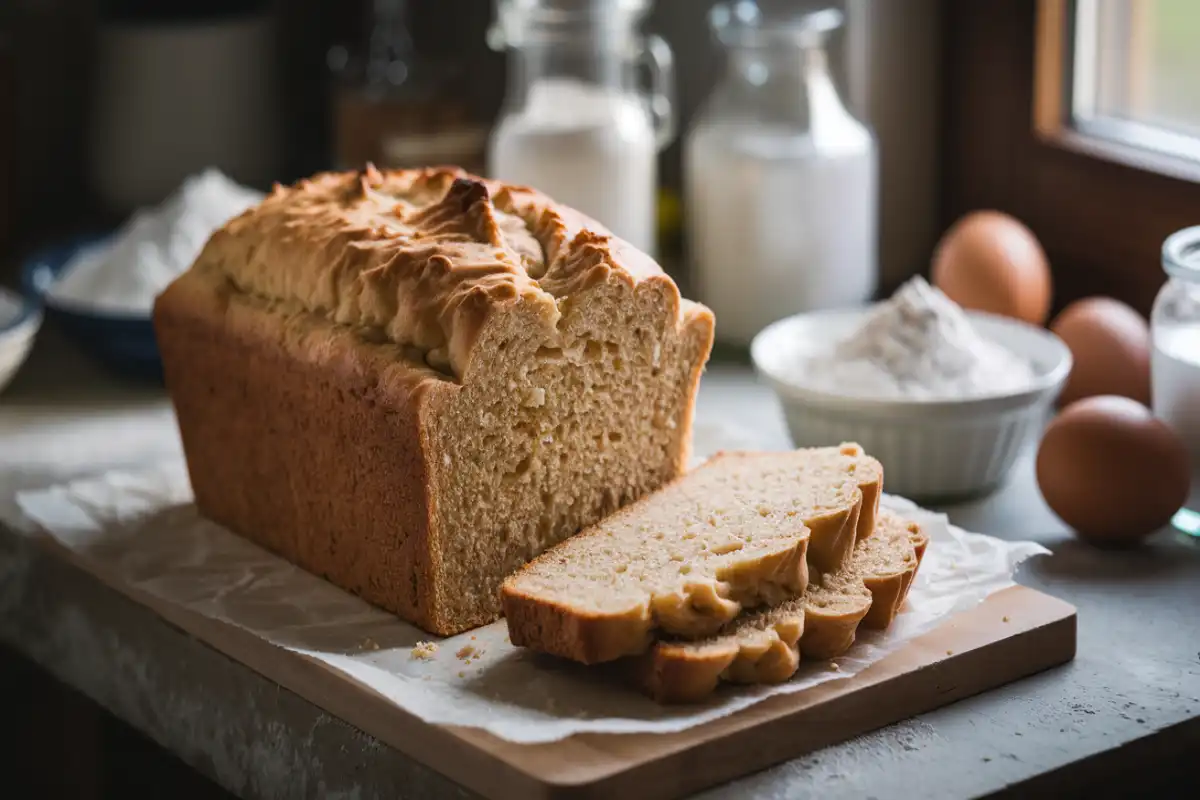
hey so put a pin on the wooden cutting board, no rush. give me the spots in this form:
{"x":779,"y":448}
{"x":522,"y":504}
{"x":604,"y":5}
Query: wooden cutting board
{"x":1014,"y":633}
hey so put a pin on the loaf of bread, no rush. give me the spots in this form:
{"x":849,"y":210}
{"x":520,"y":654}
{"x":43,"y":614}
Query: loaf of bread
{"x":765,"y":646}
{"x":732,"y":534}
{"x":414,"y":382}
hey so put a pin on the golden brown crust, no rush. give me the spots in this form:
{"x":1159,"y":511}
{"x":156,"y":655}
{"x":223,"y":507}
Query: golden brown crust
{"x":872,"y":489}
{"x":417,"y":257}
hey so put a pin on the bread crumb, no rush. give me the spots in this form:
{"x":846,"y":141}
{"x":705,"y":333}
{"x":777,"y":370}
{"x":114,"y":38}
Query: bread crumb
{"x":472,"y":638}
{"x":424,"y":650}
{"x":1006,"y":619}
{"x":370,"y":644}
{"x":465,"y":652}
{"x":949,"y":652}
{"x":833,"y":665}
{"x":462,"y":674}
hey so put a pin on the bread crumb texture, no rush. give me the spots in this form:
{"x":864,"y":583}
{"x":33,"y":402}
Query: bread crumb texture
{"x":424,"y":651}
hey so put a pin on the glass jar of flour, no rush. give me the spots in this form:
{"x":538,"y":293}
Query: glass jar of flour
{"x":780,"y":179}
{"x":575,"y":124}
{"x":1175,"y":359}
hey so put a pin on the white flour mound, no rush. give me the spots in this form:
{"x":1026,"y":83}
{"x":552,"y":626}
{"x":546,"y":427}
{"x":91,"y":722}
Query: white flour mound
{"x":918,"y":344}
{"x":154,"y":246}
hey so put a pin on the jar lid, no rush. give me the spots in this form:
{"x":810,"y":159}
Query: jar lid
{"x":1181,"y":254}
{"x":744,"y":23}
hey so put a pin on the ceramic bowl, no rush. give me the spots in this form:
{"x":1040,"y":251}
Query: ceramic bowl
{"x":125,"y":343}
{"x":930,"y":449}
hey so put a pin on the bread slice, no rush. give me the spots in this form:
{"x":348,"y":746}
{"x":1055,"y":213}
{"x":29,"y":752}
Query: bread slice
{"x":870,"y":592}
{"x":758,"y":647}
{"x":686,"y":560}
{"x":765,"y":646}
{"x":889,"y":561}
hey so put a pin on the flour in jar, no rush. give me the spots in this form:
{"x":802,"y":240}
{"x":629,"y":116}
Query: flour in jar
{"x":917,"y":344}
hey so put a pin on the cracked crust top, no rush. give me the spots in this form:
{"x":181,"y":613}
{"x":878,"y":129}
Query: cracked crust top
{"x":417,"y":257}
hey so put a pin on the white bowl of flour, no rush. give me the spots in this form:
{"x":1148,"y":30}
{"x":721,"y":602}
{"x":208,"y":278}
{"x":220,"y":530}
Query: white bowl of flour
{"x":946,"y":399}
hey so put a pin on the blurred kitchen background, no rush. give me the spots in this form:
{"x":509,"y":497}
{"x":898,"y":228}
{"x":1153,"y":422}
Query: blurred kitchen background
{"x":91,"y":89}
{"x":107,"y":106}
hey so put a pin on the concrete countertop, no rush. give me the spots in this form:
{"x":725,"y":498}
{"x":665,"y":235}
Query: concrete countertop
{"x":1131,"y":697}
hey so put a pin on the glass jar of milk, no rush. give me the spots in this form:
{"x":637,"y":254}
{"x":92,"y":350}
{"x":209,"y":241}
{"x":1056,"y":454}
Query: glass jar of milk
{"x":1175,"y":330}
{"x":575,"y":123}
{"x":1175,"y":361}
{"x":780,"y":179}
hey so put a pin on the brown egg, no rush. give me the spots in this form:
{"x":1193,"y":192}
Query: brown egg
{"x":1111,"y":470}
{"x":1110,"y":345}
{"x":989,"y":261}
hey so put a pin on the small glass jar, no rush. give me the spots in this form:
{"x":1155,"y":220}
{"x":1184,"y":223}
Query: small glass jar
{"x":780,"y":179}
{"x":575,"y":124}
{"x":1175,"y":361}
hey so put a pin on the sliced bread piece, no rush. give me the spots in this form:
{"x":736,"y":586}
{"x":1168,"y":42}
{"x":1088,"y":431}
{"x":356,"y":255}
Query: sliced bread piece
{"x":764,"y":646}
{"x":870,"y":592}
{"x":888,"y":561}
{"x":831,"y":546}
{"x":834,"y":605}
{"x":686,"y":560}
{"x":758,"y":647}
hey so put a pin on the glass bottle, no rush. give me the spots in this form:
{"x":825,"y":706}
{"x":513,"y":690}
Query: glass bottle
{"x":1175,"y":359}
{"x":395,"y":108}
{"x":780,"y":179}
{"x":575,"y":124}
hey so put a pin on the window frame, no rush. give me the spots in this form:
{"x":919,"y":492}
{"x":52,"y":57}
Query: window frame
{"x":1134,"y":144}
{"x":1100,"y":209}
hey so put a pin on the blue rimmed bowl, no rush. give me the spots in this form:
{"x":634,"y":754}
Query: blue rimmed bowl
{"x":123,"y":343}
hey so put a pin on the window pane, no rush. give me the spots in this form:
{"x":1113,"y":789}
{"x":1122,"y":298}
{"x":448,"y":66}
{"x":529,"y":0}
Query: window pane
{"x":1136,"y":72}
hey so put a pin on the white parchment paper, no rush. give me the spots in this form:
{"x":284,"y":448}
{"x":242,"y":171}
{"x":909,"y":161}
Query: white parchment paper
{"x":142,"y":528}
